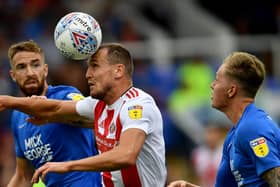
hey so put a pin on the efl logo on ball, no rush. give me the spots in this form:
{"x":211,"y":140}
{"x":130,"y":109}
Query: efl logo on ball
{"x":77,"y":35}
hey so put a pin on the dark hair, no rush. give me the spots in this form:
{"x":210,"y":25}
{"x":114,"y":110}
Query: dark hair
{"x":118,"y":54}
{"x":247,"y":70}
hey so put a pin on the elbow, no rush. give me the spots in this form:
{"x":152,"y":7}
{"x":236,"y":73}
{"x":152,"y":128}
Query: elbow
{"x":129,"y":159}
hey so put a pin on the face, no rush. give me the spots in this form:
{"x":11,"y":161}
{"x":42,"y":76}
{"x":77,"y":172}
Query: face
{"x":29,"y":72}
{"x":220,"y":90}
{"x":100,"y":75}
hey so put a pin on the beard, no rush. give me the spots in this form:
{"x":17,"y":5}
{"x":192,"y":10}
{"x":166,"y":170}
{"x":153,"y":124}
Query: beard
{"x":36,"y":90}
{"x":100,"y":94}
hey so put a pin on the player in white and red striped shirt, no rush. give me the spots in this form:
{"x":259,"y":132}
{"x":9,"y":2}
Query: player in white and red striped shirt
{"x":127,"y":123}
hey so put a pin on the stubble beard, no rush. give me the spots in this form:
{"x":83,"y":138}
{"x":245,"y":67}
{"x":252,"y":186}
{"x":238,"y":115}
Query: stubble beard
{"x":100,"y":94}
{"x":33,"y":91}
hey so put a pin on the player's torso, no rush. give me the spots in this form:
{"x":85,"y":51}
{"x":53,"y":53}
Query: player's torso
{"x":33,"y":142}
{"x":109,"y":124}
{"x":224,"y":174}
{"x":250,"y":151}
{"x":53,"y":142}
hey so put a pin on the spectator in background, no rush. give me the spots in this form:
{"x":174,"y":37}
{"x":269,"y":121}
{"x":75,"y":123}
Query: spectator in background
{"x":190,"y":100}
{"x":206,"y":157}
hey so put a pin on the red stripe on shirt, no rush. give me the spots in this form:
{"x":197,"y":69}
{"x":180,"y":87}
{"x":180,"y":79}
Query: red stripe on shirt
{"x":107,"y":179}
{"x":130,"y":177}
{"x":131,"y":92}
{"x":107,"y":121}
{"x":136,"y":93}
{"x":119,"y":128}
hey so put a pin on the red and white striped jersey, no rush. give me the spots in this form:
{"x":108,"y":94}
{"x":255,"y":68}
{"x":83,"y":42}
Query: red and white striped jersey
{"x":134,"y":109}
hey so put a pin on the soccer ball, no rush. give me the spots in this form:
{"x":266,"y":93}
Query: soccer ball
{"x":77,"y":35}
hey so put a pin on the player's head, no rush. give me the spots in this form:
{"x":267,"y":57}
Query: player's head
{"x":240,"y":75}
{"x":28,"y":68}
{"x":110,"y":67}
{"x":247,"y":70}
{"x":118,"y":54}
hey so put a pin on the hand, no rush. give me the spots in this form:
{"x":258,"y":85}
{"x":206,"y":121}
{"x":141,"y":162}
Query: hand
{"x":181,"y":183}
{"x":57,"y":167}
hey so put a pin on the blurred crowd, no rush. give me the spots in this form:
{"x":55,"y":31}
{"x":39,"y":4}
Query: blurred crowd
{"x":193,"y":131}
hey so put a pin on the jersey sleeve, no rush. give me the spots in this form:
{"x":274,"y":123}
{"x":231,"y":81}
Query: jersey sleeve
{"x":19,"y":153}
{"x":141,"y":114}
{"x":85,"y":107}
{"x":261,"y":144}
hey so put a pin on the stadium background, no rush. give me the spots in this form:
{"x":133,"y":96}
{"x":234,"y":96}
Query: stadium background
{"x":176,"y":45}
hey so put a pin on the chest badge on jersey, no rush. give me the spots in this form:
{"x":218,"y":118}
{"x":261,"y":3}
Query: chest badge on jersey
{"x":75,"y":96}
{"x":260,"y":147}
{"x":135,"y":112}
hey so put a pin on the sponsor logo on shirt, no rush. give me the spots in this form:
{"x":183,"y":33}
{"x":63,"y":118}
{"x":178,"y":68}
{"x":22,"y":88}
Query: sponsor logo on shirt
{"x":260,"y":147}
{"x":35,"y":148}
{"x":75,"y":96}
{"x":135,"y":112}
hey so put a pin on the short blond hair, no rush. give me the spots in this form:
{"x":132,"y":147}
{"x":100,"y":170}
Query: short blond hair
{"x":247,"y":70}
{"x":29,"y":46}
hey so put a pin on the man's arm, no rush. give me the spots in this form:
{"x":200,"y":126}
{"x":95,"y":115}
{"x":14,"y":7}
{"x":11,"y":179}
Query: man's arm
{"x":181,"y":183}
{"x":23,"y":174}
{"x":272,"y":177}
{"x":123,"y":155}
{"x":46,"y":110}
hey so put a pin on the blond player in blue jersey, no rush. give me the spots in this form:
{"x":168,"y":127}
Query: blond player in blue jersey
{"x":251,"y":153}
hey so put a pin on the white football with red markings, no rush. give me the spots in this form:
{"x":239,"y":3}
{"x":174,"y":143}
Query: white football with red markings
{"x":77,"y":35}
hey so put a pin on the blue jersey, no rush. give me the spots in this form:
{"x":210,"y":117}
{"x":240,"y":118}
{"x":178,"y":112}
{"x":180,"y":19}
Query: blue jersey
{"x":56,"y":142}
{"x":255,"y":147}
{"x":224,"y":175}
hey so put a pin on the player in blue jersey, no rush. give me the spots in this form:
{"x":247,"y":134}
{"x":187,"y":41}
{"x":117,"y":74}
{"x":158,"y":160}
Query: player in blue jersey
{"x":253,"y":145}
{"x":251,"y":152}
{"x":36,"y":145}
{"x":224,"y":175}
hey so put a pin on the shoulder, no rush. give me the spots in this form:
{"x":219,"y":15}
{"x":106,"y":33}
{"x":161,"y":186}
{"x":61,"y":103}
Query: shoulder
{"x":258,"y":123}
{"x":137,"y":95}
{"x":138,"y":103}
{"x":136,"y":98}
{"x":64,"y":92}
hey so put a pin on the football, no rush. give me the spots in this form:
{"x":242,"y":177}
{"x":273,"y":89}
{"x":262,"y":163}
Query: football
{"x":77,"y":35}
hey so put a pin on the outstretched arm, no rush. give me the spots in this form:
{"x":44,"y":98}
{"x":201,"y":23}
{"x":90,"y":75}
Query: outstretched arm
{"x":272,"y":177}
{"x":46,"y":110}
{"x":181,"y":183}
{"x":123,"y":155}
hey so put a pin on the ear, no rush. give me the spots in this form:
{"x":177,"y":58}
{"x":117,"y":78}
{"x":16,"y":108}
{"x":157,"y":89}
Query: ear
{"x":119,"y":70}
{"x":232,"y":91}
{"x":46,"y":68}
{"x":12,"y":74}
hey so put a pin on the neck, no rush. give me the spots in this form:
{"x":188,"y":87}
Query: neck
{"x":116,"y":93}
{"x":45,"y":89}
{"x":237,"y":108}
